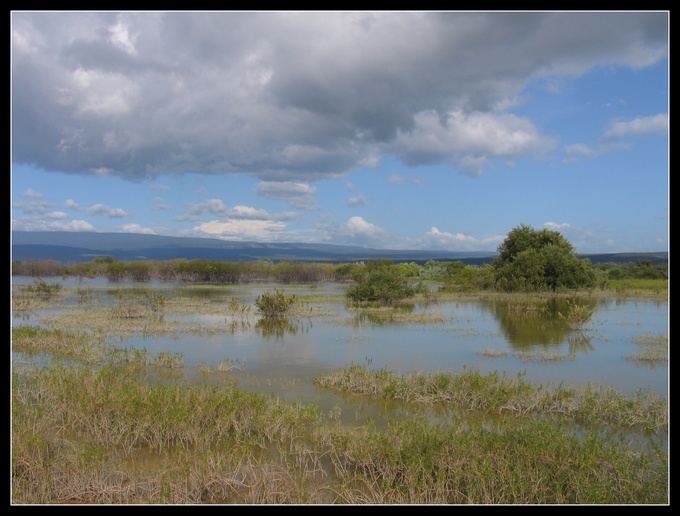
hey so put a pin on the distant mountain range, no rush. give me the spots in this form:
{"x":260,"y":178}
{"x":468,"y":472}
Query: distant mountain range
{"x":75,"y":247}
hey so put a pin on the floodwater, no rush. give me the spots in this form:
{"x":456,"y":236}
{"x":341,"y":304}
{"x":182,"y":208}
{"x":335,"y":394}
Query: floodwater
{"x":483,"y":334}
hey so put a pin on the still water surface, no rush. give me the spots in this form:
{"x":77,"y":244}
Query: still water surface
{"x":285,"y":358}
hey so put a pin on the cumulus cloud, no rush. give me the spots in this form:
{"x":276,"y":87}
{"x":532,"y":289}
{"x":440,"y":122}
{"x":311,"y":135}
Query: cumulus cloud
{"x":616,"y":137}
{"x":136,"y":228}
{"x":657,"y":124}
{"x":298,"y":195}
{"x":98,"y":209}
{"x":356,"y":231}
{"x":436,"y":239}
{"x":554,"y":226}
{"x":106,"y":211}
{"x":233,"y":214}
{"x":31,"y":194}
{"x":296,"y":96}
{"x":236,"y":222}
{"x":469,"y":140}
{"x":580,"y":237}
{"x":32,"y":203}
{"x":357,"y":200}
{"x":357,"y":226}
{"x":242,"y":229}
{"x":51,"y":225}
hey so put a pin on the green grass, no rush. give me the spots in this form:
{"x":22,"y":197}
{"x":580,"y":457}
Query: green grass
{"x":93,"y":423}
{"x":499,"y":394}
{"x":105,"y":435}
{"x":631,"y":286}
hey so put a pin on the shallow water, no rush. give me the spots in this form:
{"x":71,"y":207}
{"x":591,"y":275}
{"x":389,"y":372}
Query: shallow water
{"x":285,"y":358}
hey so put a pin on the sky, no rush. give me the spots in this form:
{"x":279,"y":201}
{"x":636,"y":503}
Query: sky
{"x":439,"y":130}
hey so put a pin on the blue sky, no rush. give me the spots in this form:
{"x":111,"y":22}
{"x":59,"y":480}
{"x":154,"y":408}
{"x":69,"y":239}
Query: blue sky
{"x":395,"y":130}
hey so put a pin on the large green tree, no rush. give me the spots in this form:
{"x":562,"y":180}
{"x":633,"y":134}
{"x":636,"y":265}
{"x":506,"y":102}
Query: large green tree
{"x":531,"y":260}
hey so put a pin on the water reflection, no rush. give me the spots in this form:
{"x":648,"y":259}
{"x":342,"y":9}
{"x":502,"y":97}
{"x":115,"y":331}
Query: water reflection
{"x":278,"y":327}
{"x":580,"y":342}
{"x":543,"y":323}
{"x":382,"y":315}
{"x":512,"y":334}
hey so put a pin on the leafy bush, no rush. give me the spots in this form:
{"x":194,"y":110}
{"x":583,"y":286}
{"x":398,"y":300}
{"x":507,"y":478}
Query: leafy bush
{"x":383,"y":283}
{"x":42,"y":288}
{"x":275,"y":304}
{"x":533,"y":260}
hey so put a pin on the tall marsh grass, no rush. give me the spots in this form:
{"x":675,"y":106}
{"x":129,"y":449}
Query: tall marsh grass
{"x":105,"y":435}
{"x":93,"y":423}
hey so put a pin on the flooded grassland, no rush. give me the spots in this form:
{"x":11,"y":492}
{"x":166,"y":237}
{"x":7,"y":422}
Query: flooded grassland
{"x":171,"y":393}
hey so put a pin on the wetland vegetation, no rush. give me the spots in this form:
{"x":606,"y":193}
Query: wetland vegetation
{"x":98,"y":420}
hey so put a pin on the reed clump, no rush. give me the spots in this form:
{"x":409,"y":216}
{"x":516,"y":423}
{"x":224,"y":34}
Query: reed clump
{"x":99,"y":424}
{"x":652,"y":349}
{"x":496,"y":393}
{"x":105,"y":435}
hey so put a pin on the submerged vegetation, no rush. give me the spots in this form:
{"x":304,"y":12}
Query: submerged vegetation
{"x":97,"y":423}
{"x":105,"y":434}
{"x":276,"y":304}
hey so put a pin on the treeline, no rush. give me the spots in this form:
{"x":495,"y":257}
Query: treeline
{"x":190,"y":271}
{"x":641,"y":269}
{"x":455,"y":273}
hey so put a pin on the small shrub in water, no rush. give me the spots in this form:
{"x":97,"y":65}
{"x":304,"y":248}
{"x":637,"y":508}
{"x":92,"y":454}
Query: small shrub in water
{"x":275,"y":304}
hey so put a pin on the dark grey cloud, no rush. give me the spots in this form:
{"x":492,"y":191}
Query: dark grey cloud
{"x":296,"y":96}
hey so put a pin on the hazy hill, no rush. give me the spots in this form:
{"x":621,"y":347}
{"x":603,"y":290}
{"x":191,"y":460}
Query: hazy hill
{"x":71,"y":247}
{"x":75,"y":247}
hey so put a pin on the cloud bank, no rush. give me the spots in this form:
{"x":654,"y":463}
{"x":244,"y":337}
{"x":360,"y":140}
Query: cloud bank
{"x":296,"y":97}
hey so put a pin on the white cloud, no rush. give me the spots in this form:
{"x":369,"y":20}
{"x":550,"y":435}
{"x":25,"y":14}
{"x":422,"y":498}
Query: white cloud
{"x":217,"y":207}
{"x":358,"y":227}
{"x":51,"y":225}
{"x":106,"y":211}
{"x":436,"y":239}
{"x":470,"y":140}
{"x":554,"y":226}
{"x":355,"y":231}
{"x":657,"y":124}
{"x":248,"y":212}
{"x":298,"y":195}
{"x":136,"y":228}
{"x":357,"y":200}
{"x":57,"y":215}
{"x":618,"y":130}
{"x":98,"y":209}
{"x":37,"y":207}
{"x":32,"y":194}
{"x":264,"y":230}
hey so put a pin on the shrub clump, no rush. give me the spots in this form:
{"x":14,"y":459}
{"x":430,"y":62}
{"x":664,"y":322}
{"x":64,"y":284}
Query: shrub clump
{"x":380,"y":282}
{"x":276,"y":304}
